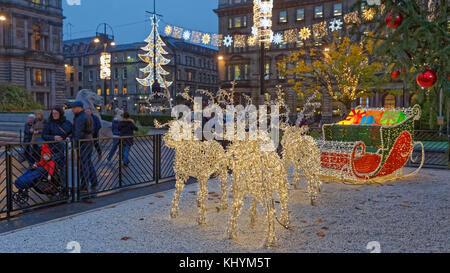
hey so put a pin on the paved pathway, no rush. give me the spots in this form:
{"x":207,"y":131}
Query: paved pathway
{"x":403,"y":216}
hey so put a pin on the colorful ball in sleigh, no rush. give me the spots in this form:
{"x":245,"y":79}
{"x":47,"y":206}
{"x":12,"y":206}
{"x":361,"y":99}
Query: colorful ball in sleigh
{"x":392,"y":117}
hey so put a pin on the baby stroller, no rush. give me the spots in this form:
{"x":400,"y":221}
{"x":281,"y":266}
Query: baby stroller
{"x":37,"y":178}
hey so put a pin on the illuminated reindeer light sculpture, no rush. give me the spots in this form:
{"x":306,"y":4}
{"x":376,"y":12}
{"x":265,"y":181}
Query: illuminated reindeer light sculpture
{"x":195,"y":158}
{"x":301,"y":152}
{"x":257,"y":171}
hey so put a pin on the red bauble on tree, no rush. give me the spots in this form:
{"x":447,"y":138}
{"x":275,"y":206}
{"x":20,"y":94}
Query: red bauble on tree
{"x":395,"y":74}
{"x":393,"y":22}
{"x":427,"y":78}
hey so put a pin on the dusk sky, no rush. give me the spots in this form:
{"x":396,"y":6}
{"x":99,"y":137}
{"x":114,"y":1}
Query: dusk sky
{"x":127,"y":17}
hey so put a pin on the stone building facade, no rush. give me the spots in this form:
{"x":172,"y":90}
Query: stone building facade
{"x":242,"y":64}
{"x":31,"y":48}
{"x":190,"y":65}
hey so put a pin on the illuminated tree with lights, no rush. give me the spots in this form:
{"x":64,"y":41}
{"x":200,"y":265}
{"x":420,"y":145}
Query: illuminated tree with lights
{"x":345,"y":69}
{"x":155,"y":47}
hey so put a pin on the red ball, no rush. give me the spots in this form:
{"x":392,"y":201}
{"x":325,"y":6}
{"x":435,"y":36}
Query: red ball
{"x":395,"y":74}
{"x":393,"y":23}
{"x":427,"y":78}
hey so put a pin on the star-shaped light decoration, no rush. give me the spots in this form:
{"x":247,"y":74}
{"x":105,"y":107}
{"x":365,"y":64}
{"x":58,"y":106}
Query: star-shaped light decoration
{"x":206,"y":38}
{"x":228,"y":41}
{"x":186,"y":35}
{"x":335,"y":25}
{"x":251,"y":40}
{"x":369,"y":14}
{"x":305,"y":33}
{"x":168,"y":30}
{"x":277,"y":38}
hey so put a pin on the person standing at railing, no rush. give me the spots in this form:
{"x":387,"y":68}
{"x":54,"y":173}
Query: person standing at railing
{"x":126,"y":129}
{"x":97,"y":127}
{"x":58,"y":128}
{"x":83,"y":130}
{"x":116,"y":133}
{"x":27,"y":136}
{"x":37,"y":129}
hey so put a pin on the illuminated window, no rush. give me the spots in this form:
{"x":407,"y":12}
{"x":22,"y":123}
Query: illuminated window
{"x":337,"y":9}
{"x":281,"y":73}
{"x":364,"y":102}
{"x":300,"y":14}
{"x":99,"y":91}
{"x":38,"y":80}
{"x":116,"y":90}
{"x":318,"y":12}
{"x":36,"y":38}
{"x":267,"y":71}
{"x":237,"y":22}
{"x":283,"y":17}
{"x":125,"y":90}
{"x":389,"y":101}
{"x":107,"y":91}
{"x":237,"y":72}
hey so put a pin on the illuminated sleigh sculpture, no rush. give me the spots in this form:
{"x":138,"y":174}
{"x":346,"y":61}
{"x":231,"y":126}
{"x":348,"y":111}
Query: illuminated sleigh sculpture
{"x":370,"y":145}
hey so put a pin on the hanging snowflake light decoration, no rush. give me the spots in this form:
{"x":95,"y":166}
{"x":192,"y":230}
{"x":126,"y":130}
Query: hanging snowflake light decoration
{"x":305,"y":33}
{"x":228,"y":41}
{"x":335,"y":25}
{"x":187,"y":35}
{"x":369,"y":14}
{"x":206,"y":38}
{"x":277,"y":38}
{"x":251,"y":40}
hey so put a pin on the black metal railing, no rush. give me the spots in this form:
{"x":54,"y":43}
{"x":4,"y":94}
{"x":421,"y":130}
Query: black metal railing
{"x":79,"y":170}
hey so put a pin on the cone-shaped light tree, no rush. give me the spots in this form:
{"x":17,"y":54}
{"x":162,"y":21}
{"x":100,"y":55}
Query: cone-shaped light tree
{"x":155,"y":59}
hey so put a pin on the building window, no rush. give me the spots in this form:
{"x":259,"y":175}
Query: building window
{"x":116,"y":89}
{"x":91,"y":60}
{"x":99,"y":91}
{"x":72,"y":77}
{"x":36,"y":38}
{"x":237,"y":22}
{"x":389,"y":101}
{"x":281,"y":73}
{"x":337,"y":9}
{"x":125,"y":89}
{"x":237,"y":72}
{"x":267,"y":71}
{"x":300,"y":15}
{"x":125,"y":74}
{"x":37,"y":77}
{"x":116,"y":73}
{"x":80,"y":76}
{"x":283,"y":17}
{"x":189,"y":76}
{"x":318,"y":12}
{"x":364,"y":102}
{"x":91,"y":75}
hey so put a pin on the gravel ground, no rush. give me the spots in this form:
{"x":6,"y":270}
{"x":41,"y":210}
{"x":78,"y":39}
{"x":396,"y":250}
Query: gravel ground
{"x":403,"y":216}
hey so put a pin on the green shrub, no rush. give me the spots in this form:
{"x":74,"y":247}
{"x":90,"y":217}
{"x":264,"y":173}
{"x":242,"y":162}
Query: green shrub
{"x":144,"y":120}
{"x":17,"y":99}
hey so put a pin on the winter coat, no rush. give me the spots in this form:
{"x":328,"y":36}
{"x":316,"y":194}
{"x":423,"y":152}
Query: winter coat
{"x":83,"y":127}
{"x":97,"y":124}
{"x":61,"y":127}
{"x":115,"y":127}
{"x":27,"y":135}
{"x":127,"y":128}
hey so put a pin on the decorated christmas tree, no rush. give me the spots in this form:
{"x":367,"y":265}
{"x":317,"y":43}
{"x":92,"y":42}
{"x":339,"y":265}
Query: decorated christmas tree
{"x":413,"y":38}
{"x":155,"y":47}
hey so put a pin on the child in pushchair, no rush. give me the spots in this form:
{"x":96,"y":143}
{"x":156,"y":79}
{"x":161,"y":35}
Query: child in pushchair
{"x":42,"y":177}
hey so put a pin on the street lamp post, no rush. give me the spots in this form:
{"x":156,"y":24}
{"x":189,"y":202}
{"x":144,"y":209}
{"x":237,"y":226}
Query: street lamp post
{"x":105,"y":58}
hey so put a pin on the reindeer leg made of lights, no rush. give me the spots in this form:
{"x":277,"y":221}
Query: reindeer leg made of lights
{"x":253,"y":211}
{"x":238,"y":200}
{"x":270,"y":218}
{"x":203,"y":192}
{"x":284,"y":199}
{"x":223,"y":177}
{"x":178,"y":189}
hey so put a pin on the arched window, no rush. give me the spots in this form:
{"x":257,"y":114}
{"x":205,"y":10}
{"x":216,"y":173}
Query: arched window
{"x":389,"y":101}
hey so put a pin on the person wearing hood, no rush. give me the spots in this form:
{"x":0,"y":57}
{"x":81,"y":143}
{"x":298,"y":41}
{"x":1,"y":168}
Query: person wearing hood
{"x":58,"y":128}
{"x":37,"y":129}
{"x":116,"y":133}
